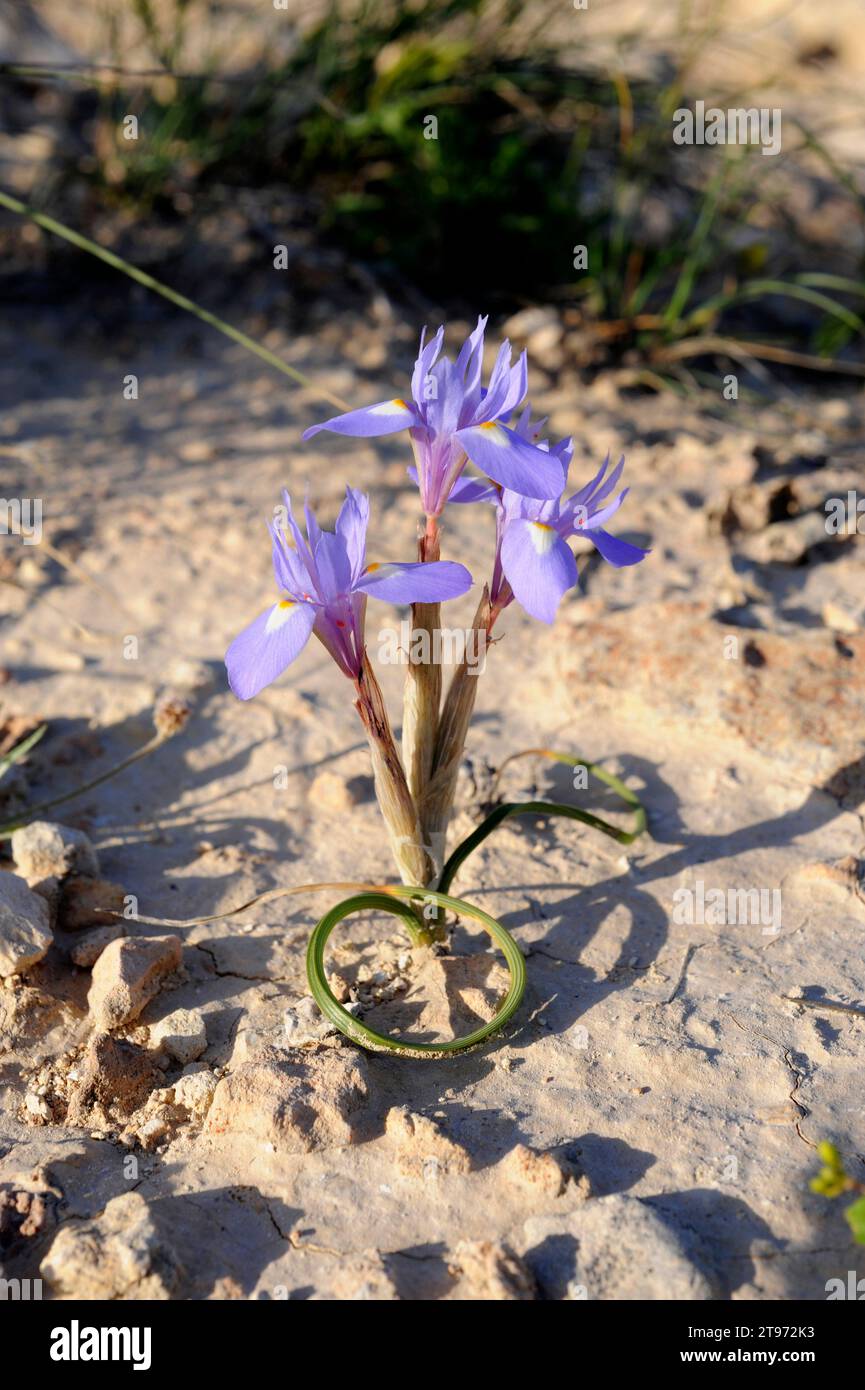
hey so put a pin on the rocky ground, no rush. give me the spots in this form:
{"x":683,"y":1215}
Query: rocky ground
{"x":177,"y":1121}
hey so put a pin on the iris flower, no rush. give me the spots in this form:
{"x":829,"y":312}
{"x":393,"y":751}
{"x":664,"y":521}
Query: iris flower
{"x":534,"y":563}
{"x":324,"y":581}
{"x":452,"y":418}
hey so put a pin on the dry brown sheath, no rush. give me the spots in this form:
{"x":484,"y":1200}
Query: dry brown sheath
{"x":450,"y":741}
{"x":391,"y":788}
{"x":423,"y":686}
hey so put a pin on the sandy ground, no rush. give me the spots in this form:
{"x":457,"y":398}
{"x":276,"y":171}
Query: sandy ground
{"x":646,"y":1126}
{"x":653,"y":1059}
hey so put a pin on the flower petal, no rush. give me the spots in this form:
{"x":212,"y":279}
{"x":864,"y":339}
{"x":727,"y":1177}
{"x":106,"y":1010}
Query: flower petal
{"x":293,"y":532}
{"x":351,"y":525}
{"x":470,"y":359}
{"x":466,"y":489}
{"x":517,"y":386}
{"x":609,"y":484}
{"x":416,"y":583}
{"x":289,"y":570}
{"x":513,"y":462}
{"x":614,"y":550}
{"x":474,"y":490}
{"x":538,"y":566}
{"x":385,"y":418}
{"x":581,"y":498}
{"x":597,"y":518}
{"x":333,"y":567}
{"x":423,"y":364}
{"x":499,"y":389}
{"x":267,"y":646}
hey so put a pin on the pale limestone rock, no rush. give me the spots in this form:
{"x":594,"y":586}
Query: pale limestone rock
{"x":279,"y":1028}
{"x":798,"y":699}
{"x":195,"y":1093}
{"x":37,"y":1108}
{"x":304,"y":1022}
{"x":182,"y":1034}
{"x":449,"y":995}
{"x":117,"y":1255}
{"x":293,"y":1101}
{"x":86,"y":952}
{"x":362,"y":1278}
{"x":128,"y":974}
{"x":423,"y":1149}
{"x":539,"y":1172}
{"x":25,"y":932}
{"x":158,"y":1126}
{"x":45,"y":849}
{"x":488,"y":1271}
{"x":611,"y":1248}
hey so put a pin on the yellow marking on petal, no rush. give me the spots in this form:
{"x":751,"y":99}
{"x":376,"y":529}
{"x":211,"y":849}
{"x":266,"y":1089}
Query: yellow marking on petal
{"x":543,"y":536}
{"x":394,"y":407}
{"x":498,"y":436}
{"x":279,"y":615}
{"x":376,"y":565}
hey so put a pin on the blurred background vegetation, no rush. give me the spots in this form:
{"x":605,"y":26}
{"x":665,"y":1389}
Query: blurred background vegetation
{"x":314,"y":132}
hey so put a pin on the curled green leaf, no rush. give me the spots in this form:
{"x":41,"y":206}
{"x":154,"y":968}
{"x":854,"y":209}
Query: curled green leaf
{"x":390,"y":900}
{"x":21,"y":749}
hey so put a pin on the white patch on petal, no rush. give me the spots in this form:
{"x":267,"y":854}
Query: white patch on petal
{"x":395,"y":407}
{"x":279,"y":615}
{"x":543,"y":537}
{"x":494,"y":434}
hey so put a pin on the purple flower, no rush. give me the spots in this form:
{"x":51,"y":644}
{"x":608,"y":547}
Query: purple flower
{"x":324,"y":581}
{"x":533,"y":562}
{"x":451,"y":417}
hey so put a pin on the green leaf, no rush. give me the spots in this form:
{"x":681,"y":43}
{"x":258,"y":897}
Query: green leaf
{"x":819,"y":280}
{"x":550,"y":808}
{"x":758,"y":289}
{"x":832,"y":1179}
{"x":856,"y":1220}
{"x":21,"y":749}
{"x":388,"y":900}
{"x":384,"y":899}
{"x":50,"y":224}
{"x":830,"y":1156}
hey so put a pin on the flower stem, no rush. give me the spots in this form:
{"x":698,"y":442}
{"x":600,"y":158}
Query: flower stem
{"x":423,"y":684}
{"x":391,"y":788}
